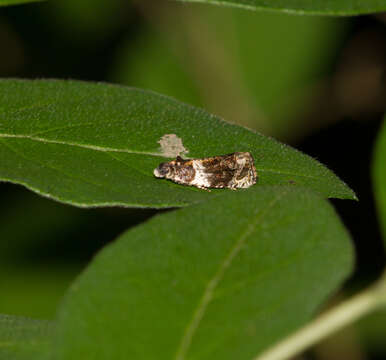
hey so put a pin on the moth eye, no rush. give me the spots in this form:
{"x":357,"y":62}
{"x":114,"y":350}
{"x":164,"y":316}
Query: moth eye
{"x":162,"y":170}
{"x":179,"y":160}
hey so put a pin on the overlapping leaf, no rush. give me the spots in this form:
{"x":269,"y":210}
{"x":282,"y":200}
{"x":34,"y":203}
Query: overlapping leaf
{"x":223,"y":279}
{"x":319,"y":7}
{"x":96,"y":144}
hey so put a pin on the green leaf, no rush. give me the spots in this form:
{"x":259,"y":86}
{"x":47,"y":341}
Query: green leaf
{"x":379,"y":177}
{"x":22,"y":338}
{"x":97,"y":145}
{"x":223,"y":279}
{"x":16,"y":2}
{"x":306,"y":7}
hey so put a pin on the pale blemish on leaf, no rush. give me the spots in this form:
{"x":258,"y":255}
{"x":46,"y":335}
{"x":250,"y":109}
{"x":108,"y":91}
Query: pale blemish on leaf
{"x":171,"y":146}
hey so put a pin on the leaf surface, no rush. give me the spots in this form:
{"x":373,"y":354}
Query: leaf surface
{"x":223,"y":279}
{"x":306,"y":7}
{"x":379,"y":177}
{"x":97,"y":145}
{"x":22,"y":338}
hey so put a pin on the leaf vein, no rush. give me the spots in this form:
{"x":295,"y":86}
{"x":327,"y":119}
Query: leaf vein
{"x":61,"y":128}
{"x":213,"y":283}
{"x":84,"y":146}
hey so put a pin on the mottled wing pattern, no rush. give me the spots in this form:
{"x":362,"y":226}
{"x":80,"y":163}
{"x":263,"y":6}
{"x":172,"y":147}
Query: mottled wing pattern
{"x":220,"y":170}
{"x":234,"y":171}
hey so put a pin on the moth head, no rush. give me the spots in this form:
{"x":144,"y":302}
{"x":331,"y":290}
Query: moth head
{"x":162,"y":170}
{"x":179,"y":160}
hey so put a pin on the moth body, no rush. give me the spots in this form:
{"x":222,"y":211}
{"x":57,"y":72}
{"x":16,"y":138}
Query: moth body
{"x":233,"y":171}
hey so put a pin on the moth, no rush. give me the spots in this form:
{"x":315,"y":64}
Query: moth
{"x":232,"y":171}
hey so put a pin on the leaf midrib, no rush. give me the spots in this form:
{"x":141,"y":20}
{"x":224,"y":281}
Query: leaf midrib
{"x":128,"y":151}
{"x":80,"y":204}
{"x":85,"y":146}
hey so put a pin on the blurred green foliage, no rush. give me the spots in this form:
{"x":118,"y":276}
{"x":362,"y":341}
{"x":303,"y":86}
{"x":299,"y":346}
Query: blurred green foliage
{"x":251,"y":68}
{"x":90,"y":20}
{"x":379,"y":175}
{"x":23,"y":338}
{"x":15,"y":2}
{"x":32,"y":284}
{"x":45,"y":244}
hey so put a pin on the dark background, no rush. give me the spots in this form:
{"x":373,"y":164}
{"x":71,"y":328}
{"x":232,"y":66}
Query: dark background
{"x":315,"y":83}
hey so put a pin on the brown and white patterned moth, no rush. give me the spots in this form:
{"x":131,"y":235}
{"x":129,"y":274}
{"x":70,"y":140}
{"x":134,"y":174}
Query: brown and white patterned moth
{"x":233,"y":171}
